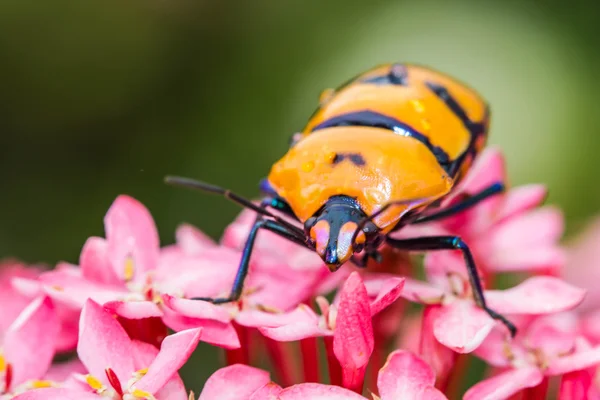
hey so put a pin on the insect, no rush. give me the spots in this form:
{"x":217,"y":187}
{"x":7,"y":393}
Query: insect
{"x":379,"y":153}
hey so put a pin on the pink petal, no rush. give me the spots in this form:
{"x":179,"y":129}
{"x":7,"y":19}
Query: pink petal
{"x":537,"y":295}
{"x":94,"y":262}
{"x":506,"y":384}
{"x":29,"y":342}
{"x":213,"y":332}
{"x":353,"y":340}
{"x":299,"y":324}
{"x":236,"y":382}
{"x":261,"y":319}
{"x":520,"y":199}
{"x":74,"y":291}
{"x":57,"y":394}
{"x":131,"y":232}
{"x":493,"y":348}
{"x":174,"y":389}
{"x":462,"y":326}
{"x":198,"y":309}
{"x":575,"y":385}
{"x":209,"y":274}
{"x":174,"y":352}
{"x":13,"y":299}
{"x":192,"y":240}
{"x":574,"y":362}
{"x":134,"y":309}
{"x":268,"y":392}
{"x":438,"y":356}
{"x":488,"y":168}
{"x":406,"y":376}
{"x":388,"y":291}
{"x":103,"y":343}
{"x":421,"y":292}
{"x":317,"y":391}
{"x":144,"y":354}
{"x":62,"y":371}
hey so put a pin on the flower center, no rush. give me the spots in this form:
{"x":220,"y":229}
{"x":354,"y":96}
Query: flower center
{"x":118,"y":392}
{"x":5,"y":375}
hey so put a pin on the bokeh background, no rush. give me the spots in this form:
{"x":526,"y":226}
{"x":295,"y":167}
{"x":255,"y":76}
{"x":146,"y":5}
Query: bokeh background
{"x":103,"y":98}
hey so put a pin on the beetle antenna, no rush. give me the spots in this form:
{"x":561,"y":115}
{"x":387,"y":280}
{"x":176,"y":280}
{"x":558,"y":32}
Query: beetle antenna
{"x":190,"y":183}
{"x":370,"y":218}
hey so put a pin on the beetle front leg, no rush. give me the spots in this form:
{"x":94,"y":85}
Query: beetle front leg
{"x":455,"y":243}
{"x":238,"y":283}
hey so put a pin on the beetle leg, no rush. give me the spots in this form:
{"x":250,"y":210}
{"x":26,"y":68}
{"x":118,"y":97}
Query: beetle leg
{"x":238,"y":283}
{"x":278,"y":204}
{"x":454,"y":243}
{"x":467,"y":203}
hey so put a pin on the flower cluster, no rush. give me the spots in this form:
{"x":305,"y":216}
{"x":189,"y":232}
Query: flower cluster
{"x":125,"y":319}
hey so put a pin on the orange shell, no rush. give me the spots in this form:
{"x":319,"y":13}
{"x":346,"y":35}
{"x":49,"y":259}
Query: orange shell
{"x":395,"y":168}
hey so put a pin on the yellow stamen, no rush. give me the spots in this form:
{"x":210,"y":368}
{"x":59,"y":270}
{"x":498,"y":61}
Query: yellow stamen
{"x":129,"y":269}
{"x":93,"y":382}
{"x":142,"y":372}
{"x":192,"y":397}
{"x":2,"y":364}
{"x":57,"y":288}
{"x":41,"y":384}
{"x":140,"y":394}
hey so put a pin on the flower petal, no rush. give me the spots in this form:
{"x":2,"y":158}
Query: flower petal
{"x":134,"y":309}
{"x":506,"y":384}
{"x":536,"y":295}
{"x":574,"y":362}
{"x":236,"y":382}
{"x":56,"y":394}
{"x":421,"y":292}
{"x":462,"y":326}
{"x":132,"y":236}
{"x":520,"y":199}
{"x":268,"y":392}
{"x":317,"y":391}
{"x":197,"y":309}
{"x":174,"y":389}
{"x":353,"y":340}
{"x":13,"y":275}
{"x":74,"y":291}
{"x":103,"y":343}
{"x":60,"y":372}
{"x":94,"y":262}
{"x":213,"y":332}
{"x":174,"y":352}
{"x":296,"y":325}
{"x":30,"y":340}
{"x":438,"y":356}
{"x":192,"y":240}
{"x":387,"y":291}
{"x":406,"y":376}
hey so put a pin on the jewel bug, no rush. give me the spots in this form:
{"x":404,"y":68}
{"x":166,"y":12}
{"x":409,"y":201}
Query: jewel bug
{"x":379,"y":153}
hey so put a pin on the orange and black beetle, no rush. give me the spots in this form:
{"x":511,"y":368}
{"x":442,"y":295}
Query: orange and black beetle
{"x":379,"y":153}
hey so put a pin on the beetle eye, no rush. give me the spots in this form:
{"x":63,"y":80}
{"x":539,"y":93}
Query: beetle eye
{"x":370,"y":228}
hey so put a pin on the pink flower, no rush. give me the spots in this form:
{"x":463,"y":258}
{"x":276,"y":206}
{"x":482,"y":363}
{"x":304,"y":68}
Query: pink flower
{"x":125,"y":271}
{"x":462,"y":326}
{"x":121,"y":368}
{"x":18,"y":287}
{"x":506,"y":232}
{"x":404,"y":376}
{"x":583,"y":265}
{"x":549,"y":346}
{"x":348,"y":321}
{"x":28,"y":346}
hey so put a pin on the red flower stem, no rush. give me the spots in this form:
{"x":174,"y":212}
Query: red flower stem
{"x":283,"y":361}
{"x":241,"y":355}
{"x":538,"y":392}
{"x":335,"y":369}
{"x":310,"y":359}
{"x":452,"y":384}
{"x":377,"y":361}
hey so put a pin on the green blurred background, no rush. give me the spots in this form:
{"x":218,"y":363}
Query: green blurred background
{"x":103,"y":98}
